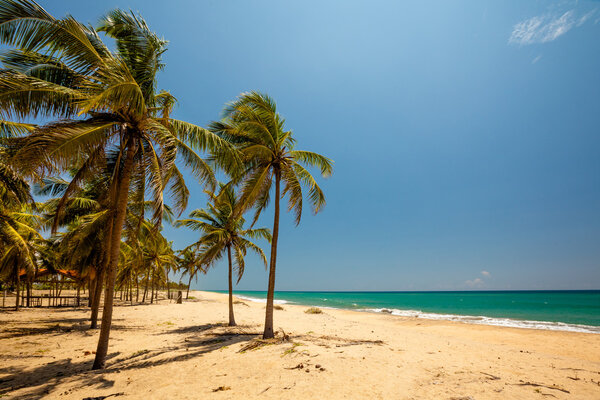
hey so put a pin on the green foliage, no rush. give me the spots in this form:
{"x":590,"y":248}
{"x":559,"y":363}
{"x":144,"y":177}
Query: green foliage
{"x":253,"y":125}
{"x":313,"y":310}
{"x":222,"y":229}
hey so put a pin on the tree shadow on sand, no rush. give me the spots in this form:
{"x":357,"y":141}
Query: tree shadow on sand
{"x":198,"y":340}
{"x":42,"y":379}
{"x":66,"y":325}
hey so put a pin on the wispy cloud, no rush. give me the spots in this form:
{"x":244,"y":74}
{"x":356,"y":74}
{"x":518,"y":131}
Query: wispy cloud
{"x":485,"y":273}
{"x":546,"y":28}
{"x":538,"y":58}
{"x":477,"y":282}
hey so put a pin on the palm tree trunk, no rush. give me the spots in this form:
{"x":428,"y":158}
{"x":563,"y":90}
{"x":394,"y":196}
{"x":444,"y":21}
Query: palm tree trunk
{"x":147,"y":285}
{"x":231,"y":317}
{"x":137,"y":289}
{"x":187,"y":294}
{"x":268,"y":333}
{"x":92,"y":290}
{"x":111,"y":273}
{"x":96,"y":299}
{"x":28,"y":292}
{"x":152,"y":292}
{"x":168,"y":288}
{"x":18,"y":293}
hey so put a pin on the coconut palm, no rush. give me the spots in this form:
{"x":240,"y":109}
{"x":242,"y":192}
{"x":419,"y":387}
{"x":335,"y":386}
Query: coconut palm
{"x":159,"y":257}
{"x":267,"y":149}
{"x":223,"y":232}
{"x":105,"y":105}
{"x":19,"y":238}
{"x":85,"y":217}
{"x":189,"y":261}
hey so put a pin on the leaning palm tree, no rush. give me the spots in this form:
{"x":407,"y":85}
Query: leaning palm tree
{"x":105,"y":105}
{"x":252,"y":123}
{"x":223,"y":232}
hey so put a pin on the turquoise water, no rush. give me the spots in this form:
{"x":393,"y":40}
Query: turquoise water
{"x":556,"y":310}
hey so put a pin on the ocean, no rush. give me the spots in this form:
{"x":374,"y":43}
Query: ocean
{"x":577,"y":311}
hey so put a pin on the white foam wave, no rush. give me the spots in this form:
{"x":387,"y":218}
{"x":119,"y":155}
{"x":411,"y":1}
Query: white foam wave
{"x":256,"y":300}
{"x":481,"y":320}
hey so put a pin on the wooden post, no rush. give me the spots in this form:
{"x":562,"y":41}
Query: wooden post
{"x":179,"y":296}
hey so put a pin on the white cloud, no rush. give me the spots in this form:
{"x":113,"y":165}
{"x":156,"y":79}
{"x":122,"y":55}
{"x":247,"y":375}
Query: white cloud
{"x":485,"y":273}
{"x":474,"y":283}
{"x":546,"y":28}
{"x":587,"y":16}
{"x":538,"y":58}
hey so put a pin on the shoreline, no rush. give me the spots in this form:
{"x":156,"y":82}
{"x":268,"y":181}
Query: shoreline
{"x":461,"y":318}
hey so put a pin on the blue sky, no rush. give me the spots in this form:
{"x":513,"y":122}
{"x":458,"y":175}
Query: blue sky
{"x":465,"y":133}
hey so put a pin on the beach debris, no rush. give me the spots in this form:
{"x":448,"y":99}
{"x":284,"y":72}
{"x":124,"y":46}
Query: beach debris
{"x":258,"y":343}
{"x":491,"y":377}
{"x":278,"y":307}
{"x":104,"y":397}
{"x":540,"y":385}
{"x":222,"y":388}
{"x":265,"y":390}
{"x":345,"y":342}
{"x":313,"y":310}
{"x":240,"y":303}
{"x":292,"y":349}
{"x":385,"y":310}
{"x":299,"y":366}
{"x":284,"y":336}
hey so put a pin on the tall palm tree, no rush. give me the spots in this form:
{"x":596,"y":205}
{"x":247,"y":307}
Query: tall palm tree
{"x":223,"y":232}
{"x":267,"y":149}
{"x":189,"y":261}
{"x":106,"y":105}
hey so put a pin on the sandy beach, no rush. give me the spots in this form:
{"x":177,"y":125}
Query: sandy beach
{"x":185,"y":351}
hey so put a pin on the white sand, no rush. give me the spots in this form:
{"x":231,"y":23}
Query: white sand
{"x":185,"y":352}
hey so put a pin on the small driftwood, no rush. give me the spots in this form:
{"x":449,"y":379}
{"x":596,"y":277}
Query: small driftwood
{"x":258,"y":343}
{"x":553,"y":387}
{"x":491,"y":377}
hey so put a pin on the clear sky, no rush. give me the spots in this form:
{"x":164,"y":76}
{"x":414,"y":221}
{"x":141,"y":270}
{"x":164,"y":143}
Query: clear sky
{"x":465,"y":134}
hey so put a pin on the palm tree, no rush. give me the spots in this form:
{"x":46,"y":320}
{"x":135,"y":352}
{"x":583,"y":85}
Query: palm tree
{"x":252,"y":123}
{"x":106,"y":106}
{"x":18,"y":225}
{"x":19,"y":238}
{"x":160,"y":257}
{"x":189,"y":262}
{"x":85,"y":217}
{"x":223,"y":232}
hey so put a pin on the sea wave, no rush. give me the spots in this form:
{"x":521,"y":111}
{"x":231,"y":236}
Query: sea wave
{"x":482,"y":320}
{"x":257,"y":300}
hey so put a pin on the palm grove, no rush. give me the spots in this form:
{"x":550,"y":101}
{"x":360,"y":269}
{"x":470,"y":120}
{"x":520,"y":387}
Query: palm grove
{"x":105,"y":155}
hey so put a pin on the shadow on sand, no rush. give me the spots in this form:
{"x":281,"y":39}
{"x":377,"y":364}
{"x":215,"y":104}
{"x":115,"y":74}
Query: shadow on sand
{"x":41,"y":380}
